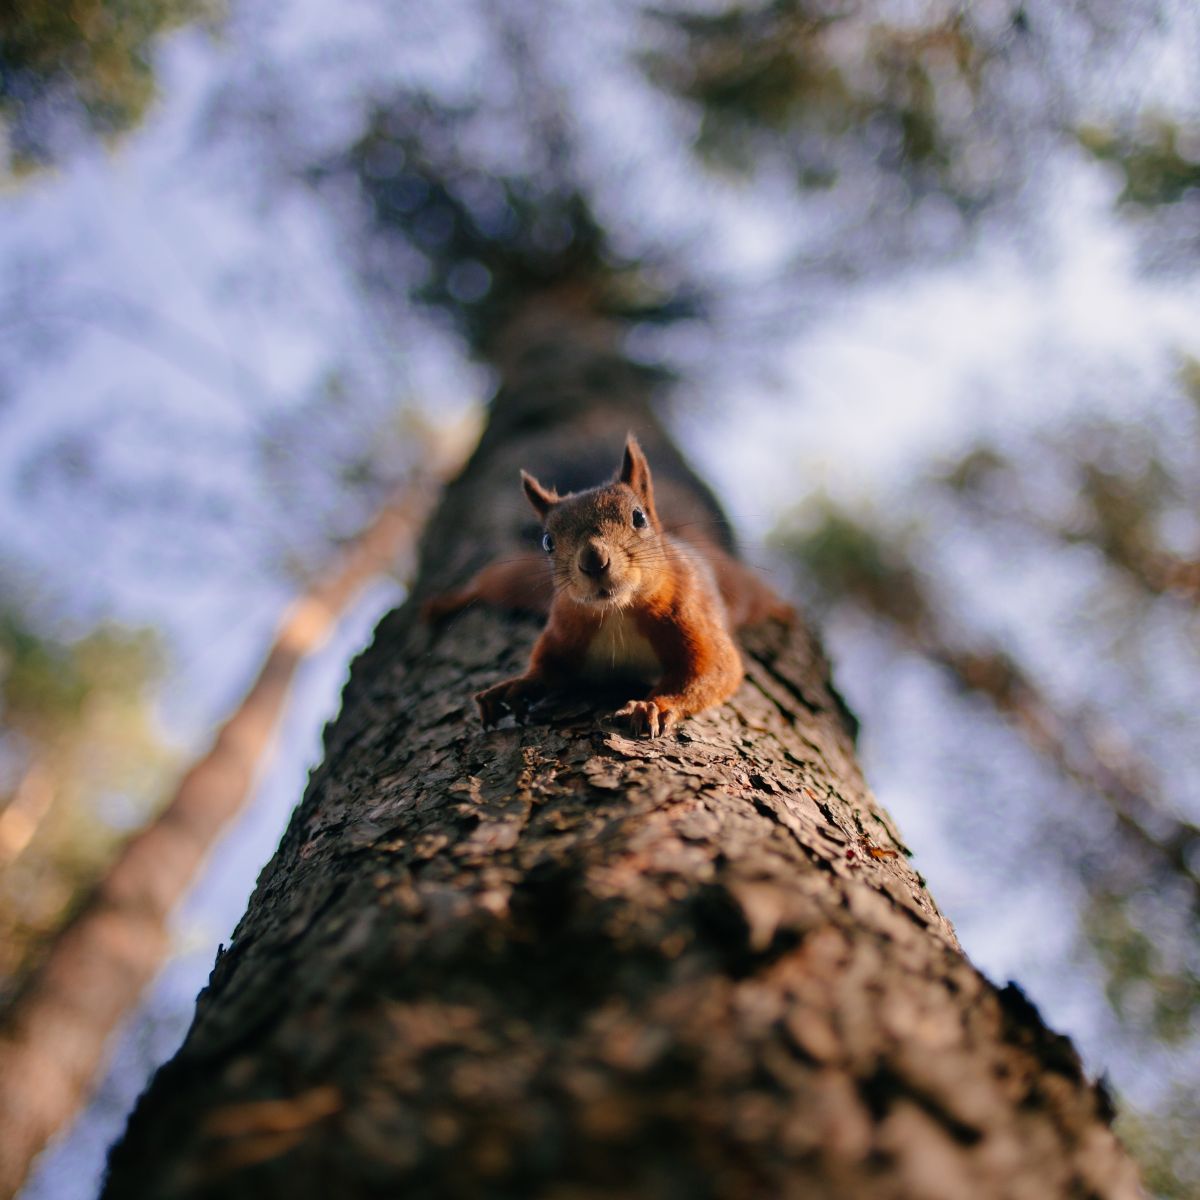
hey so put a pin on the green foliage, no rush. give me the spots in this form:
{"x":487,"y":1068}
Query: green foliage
{"x":1165,"y":1144}
{"x":45,"y":684}
{"x":1148,"y":979}
{"x":1189,"y":380}
{"x":90,"y":58}
{"x":1125,"y":489}
{"x":750,"y":69}
{"x":489,"y":239}
{"x":842,"y":558}
{"x":1160,"y":162}
{"x":80,"y":760}
{"x":816,"y":80}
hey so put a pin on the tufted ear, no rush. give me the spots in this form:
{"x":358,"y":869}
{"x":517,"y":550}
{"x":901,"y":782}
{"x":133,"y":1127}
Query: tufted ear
{"x":542,"y":499}
{"x":635,"y":471}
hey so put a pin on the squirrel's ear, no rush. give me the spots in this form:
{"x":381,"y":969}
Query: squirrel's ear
{"x":635,"y":470}
{"x":542,"y":499}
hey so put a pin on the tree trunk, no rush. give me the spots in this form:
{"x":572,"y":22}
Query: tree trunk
{"x":554,"y":961}
{"x":54,"y":1038}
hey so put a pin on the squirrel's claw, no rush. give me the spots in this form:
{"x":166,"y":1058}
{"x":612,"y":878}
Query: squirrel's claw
{"x":489,"y":709}
{"x":493,"y":704}
{"x":512,"y":696}
{"x":648,"y":719}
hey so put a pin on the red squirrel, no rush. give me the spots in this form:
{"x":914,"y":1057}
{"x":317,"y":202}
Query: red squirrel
{"x":625,"y":600}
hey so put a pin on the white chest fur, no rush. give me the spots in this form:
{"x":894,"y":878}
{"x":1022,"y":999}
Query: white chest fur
{"x":619,"y":650}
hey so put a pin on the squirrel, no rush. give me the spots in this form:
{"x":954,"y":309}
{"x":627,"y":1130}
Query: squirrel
{"x":624,"y":600}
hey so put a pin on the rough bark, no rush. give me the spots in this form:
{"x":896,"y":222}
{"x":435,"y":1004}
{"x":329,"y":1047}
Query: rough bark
{"x":554,"y":961}
{"x":54,"y":1038}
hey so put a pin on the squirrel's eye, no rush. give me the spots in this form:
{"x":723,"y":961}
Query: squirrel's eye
{"x":639,"y":519}
{"x":547,"y":543}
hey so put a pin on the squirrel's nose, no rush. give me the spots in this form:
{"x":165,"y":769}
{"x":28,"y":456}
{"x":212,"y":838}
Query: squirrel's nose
{"x":593,"y":559}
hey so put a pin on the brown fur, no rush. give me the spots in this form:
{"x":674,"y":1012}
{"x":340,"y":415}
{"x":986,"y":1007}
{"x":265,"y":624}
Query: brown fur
{"x":647,"y":599}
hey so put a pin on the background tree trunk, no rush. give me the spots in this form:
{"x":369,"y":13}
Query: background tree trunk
{"x":54,"y":1038}
{"x":555,"y":961}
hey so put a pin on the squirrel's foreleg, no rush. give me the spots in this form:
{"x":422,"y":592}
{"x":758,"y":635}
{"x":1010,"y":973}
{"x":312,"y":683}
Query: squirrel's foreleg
{"x":514,"y":696}
{"x":521,"y":584}
{"x":694,"y":682}
{"x":549,"y":669}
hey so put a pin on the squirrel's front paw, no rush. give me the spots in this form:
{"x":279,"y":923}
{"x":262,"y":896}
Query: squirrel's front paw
{"x":513,"y":695}
{"x":648,"y":718}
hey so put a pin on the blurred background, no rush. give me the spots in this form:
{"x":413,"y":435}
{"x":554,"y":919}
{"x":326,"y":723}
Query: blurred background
{"x":927,"y":274}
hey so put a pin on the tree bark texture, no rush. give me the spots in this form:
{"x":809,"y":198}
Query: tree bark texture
{"x":554,"y":961}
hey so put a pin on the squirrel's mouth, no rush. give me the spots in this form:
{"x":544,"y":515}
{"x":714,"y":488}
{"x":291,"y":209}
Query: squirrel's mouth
{"x":609,"y":594}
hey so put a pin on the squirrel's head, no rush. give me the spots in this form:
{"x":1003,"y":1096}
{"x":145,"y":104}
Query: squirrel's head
{"x":604,"y":544}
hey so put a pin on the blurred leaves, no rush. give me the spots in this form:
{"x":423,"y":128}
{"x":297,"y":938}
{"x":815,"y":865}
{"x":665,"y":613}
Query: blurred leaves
{"x":1120,"y":490}
{"x":90,"y":62}
{"x":1165,"y":1144}
{"x":839,"y":88}
{"x":81,"y":761}
{"x":919,"y":121}
{"x":1160,"y":162}
{"x":489,"y":240}
{"x":1153,"y":974}
{"x":847,"y":560}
